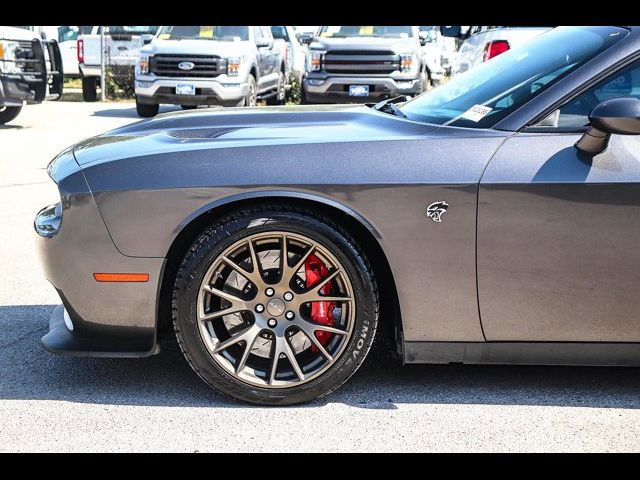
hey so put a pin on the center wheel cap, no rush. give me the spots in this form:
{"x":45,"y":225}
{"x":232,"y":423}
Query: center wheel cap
{"x":275,"y":307}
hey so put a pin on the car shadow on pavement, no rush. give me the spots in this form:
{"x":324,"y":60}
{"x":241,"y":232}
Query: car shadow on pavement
{"x":130,"y":112}
{"x":28,"y":372}
{"x":11,"y":127}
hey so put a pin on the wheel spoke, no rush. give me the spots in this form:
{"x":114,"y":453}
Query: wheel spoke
{"x":229,"y":297}
{"x":327,"y":328}
{"x":315,"y":297}
{"x":326,"y":279}
{"x":310,"y":334}
{"x":256,"y":275}
{"x":292,"y":360}
{"x":245,"y":354}
{"x":293,"y":270}
{"x":277,"y":350}
{"x":248,"y":335}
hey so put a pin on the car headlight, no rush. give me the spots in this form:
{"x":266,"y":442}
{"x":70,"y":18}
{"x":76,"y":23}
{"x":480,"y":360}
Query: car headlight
{"x":408,"y":64}
{"x":143,"y":64}
{"x":233,"y":66}
{"x":314,"y":61}
{"x":48,"y":220}
{"x":8,"y":50}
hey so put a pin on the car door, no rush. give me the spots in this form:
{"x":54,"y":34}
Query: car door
{"x":266,"y":58}
{"x":558,"y":252}
{"x":67,"y":41}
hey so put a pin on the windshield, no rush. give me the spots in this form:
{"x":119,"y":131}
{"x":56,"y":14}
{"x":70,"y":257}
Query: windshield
{"x":219,"y":32}
{"x":364,"y":31}
{"x":482,"y":96}
{"x":132,"y":30}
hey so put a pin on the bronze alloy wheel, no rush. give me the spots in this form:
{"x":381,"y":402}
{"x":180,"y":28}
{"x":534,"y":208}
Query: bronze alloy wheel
{"x":254,"y":310}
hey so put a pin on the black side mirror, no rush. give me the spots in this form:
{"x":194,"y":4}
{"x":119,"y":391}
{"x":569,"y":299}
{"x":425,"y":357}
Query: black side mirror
{"x":618,"y":115}
{"x":455,"y":31}
{"x":146,"y":38}
{"x":306,"y":38}
{"x":423,"y":39}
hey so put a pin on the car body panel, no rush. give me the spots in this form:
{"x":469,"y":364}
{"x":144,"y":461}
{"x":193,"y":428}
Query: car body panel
{"x":577,"y":281}
{"x":392,"y":200}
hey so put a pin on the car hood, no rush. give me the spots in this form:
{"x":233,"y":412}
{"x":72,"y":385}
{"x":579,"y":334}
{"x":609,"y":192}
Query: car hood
{"x":217,"y":128}
{"x":397,"y":45}
{"x":196,"y":47}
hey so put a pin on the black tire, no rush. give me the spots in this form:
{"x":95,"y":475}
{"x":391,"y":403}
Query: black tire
{"x":89,"y":89}
{"x":251,"y":100}
{"x":8,"y":113}
{"x":188,"y":107}
{"x":219,"y":236}
{"x":147,"y":110}
{"x":303,"y":96}
{"x":281,"y":94}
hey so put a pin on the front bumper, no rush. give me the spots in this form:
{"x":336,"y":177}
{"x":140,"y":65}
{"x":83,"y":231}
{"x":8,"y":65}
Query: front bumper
{"x":16,"y":90}
{"x":109,"y":319}
{"x":336,"y":89}
{"x":153,"y":90}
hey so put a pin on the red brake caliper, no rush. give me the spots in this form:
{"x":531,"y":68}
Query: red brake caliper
{"x":321,"y":312}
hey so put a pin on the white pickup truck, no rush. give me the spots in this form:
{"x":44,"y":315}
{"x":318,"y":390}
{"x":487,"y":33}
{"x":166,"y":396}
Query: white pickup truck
{"x":122,"y":46}
{"x":30,"y":70}
{"x":210,"y":65}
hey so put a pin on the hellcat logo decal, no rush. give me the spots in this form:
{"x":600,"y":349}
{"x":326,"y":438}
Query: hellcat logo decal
{"x":436,"y":210}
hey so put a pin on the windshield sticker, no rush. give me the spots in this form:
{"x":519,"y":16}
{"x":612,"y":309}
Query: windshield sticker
{"x":476,"y":113}
{"x":206,"y":32}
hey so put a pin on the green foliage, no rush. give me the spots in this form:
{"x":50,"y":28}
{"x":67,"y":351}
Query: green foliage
{"x":293,"y":95}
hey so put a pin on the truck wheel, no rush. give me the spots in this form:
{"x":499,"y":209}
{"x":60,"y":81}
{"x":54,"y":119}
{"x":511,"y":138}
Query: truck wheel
{"x":89,"y":89}
{"x":303,"y":96}
{"x":281,"y":92}
{"x":8,"y":113}
{"x":188,"y":107}
{"x":146,"y":110}
{"x":252,"y":97}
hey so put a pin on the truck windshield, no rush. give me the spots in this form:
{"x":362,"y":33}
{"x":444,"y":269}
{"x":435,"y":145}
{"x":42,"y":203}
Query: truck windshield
{"x":482,"y":96}
{"x":220,"y":32}
{"x":366,"y":31}
{"x":132,"y":30}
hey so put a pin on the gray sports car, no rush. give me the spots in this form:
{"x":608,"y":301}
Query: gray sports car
{"x":494,"y":219}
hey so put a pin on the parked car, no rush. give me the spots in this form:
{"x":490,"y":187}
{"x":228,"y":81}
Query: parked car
{"x":123,"y":44}
{"x":438,"y":49}
{"x":482,"y":43}
{"x":30,"y":70}
{"x":364,"y":63}
{"x":494,"y":219}
{"x":68,"y":43}
{"x":294,"y":54}
{"x":209,"y":65}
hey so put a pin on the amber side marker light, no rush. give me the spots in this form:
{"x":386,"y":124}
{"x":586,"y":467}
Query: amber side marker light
{"x":121,"y":277}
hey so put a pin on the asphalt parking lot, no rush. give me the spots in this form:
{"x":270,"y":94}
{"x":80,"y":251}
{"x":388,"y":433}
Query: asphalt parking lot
{"x":158,"y":404}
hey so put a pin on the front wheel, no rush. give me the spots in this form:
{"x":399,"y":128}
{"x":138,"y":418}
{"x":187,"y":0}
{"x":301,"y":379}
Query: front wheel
{"x":275,"y":306}
{"x":8,"y":113}
{"x":251,"y":100}
{"x":147,"y":110}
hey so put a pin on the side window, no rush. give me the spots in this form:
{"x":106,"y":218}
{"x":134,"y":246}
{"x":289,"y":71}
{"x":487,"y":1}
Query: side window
{"x":623,"y":83}
{"x":279,"y":32}
{"x":67,"y":33}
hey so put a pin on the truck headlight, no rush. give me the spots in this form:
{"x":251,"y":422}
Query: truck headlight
{"x":314,"y":61}
{"x":143,"y":64}
{"x":233,"y":66}
{"x":8,"y":56}
{"x":408,"y":63}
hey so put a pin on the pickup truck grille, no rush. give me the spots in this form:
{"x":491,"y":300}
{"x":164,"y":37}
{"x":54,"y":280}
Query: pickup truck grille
{"x":361,"y":63}
{"x":26,"y":58}
{"x":166,"y":65}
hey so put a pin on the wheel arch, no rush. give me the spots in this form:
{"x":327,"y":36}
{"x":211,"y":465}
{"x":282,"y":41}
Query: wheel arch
{"x":365,"y":234}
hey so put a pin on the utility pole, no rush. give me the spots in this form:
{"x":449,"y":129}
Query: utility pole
{"x":102,"y":64}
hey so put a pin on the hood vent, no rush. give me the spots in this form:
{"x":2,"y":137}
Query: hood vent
{"x":199,"y":133}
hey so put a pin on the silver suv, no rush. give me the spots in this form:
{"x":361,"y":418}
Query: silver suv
{"x":209,"y":65}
